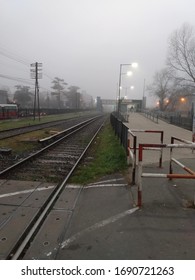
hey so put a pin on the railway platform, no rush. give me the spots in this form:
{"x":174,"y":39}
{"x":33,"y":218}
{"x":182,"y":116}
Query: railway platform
{"x":107,"y":224}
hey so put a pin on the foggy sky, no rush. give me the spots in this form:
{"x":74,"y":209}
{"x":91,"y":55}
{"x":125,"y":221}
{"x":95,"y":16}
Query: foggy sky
{"x":85,"y":41}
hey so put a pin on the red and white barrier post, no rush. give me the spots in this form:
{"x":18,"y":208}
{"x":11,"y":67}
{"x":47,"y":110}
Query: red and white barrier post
{"x":133,"y":155}
{"x":191,"y":174}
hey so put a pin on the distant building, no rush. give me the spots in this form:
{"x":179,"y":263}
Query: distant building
{"x":129,"y":105}
{"x":86,"y":100}
{"x":3,"y":96}
{"x":126,"y":105}
{"x":99,"y":104}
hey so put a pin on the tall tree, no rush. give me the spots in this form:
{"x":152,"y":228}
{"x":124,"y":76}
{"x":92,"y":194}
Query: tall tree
{"x":181,"y":54}
{"x":23,"y":96}
{"x":161,"y":87}
{"x":73,"y":97}
{"x":58,"y":87}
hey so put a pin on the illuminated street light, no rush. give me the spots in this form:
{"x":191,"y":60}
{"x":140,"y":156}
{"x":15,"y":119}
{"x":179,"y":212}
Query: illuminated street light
{"x":126,"y":89}
{"x":129,"y":73}
{"x":134,"y":64}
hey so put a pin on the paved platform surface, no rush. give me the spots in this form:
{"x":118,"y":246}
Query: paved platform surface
{"x":138,"y":121}
{"x":107,"y":224}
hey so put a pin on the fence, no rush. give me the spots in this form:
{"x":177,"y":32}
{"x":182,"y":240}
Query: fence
{"x":121,"y":130}
{"x":133,"y":155}
{"x":171,"y":175}
{"x":151,"y":115}
{"x":181,"y":119}
{"x":125,"y":136}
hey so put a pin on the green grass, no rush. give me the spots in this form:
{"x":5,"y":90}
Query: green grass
{"x":24,"y":143}
{"x":28,"y":142}
{"x":15,"y":123}
{"x":107,"y":157}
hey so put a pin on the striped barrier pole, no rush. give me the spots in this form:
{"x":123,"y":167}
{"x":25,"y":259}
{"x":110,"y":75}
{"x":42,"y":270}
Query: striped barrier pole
{"x":134,"y":147}
{"x":139,"y":176}
{"x":134,"y":154}
{"x":171,"y":150}
{"x":161,"y":132}
{"x":128,"y":151}
{"x":157,"y":175}
{"x":183,"y":166}
{"x":175,"y":176}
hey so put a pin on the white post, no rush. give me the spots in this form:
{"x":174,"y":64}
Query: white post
{"x":139,"y":184}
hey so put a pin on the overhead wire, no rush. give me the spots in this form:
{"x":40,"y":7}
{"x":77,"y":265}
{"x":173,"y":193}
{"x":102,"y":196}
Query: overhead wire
{"x":26,"y":81}
{"x":4,"y":52}
{"x":14,"y":57}
{"x":19,"y":60}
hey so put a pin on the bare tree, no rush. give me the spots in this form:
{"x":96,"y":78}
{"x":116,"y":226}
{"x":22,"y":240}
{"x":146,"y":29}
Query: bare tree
{"x":161,"y":87}
{"x":178,"y":93}
{"x":181,"y":55}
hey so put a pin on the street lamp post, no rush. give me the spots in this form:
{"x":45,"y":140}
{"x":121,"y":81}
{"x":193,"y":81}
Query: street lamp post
{"x":193,"y":119}
{"x":126,"y":89}
{"x":129,"y":73}
{"x":119,"y":89}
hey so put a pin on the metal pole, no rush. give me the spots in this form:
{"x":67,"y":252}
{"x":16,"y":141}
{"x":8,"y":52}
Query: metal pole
{"x":38,"y":101}
{"x":193,"y":120}
{"x":143,"y":98}
{"x":119,"y":90}
{"x":37,"y":86}
{"x":34,"y":109}
{"x":36,"y":75}
{"x":139,"y":177}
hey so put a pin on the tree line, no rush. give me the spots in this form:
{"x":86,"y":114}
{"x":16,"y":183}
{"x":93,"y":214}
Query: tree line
{"x":60,"y":96}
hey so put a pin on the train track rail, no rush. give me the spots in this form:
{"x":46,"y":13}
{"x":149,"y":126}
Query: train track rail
{"x":8,"y":133}
{"x":48,"y":170}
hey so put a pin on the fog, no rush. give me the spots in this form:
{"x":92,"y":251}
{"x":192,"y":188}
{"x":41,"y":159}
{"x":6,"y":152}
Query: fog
{"x":85,"y":41}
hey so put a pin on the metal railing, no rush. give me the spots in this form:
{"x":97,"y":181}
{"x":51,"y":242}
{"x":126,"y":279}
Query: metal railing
{"x":132,"y":148}
{"x":181,"y":119}
{"x":121,"y":130}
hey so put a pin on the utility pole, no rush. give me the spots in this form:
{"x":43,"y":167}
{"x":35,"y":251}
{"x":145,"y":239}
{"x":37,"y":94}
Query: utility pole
{"x":36,"y":74}
{"x":144,"y":98}
{"x":193,"y":119}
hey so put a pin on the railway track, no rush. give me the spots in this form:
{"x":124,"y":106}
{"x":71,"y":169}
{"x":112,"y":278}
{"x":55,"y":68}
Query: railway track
{"x":36,"y":185}
{"x":8,"y":133}
{"x":9,"y":157}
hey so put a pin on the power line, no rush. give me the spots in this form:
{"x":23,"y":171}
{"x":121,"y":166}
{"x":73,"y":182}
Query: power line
{"x":22,"y":80}
{"x":26,"y":81}
{"x":14,"y":58}
{"x":21,"y":60}
{"x":48,"y":76}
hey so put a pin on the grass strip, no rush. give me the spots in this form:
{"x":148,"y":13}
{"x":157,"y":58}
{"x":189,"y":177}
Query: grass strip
{"x":105,"y":156}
